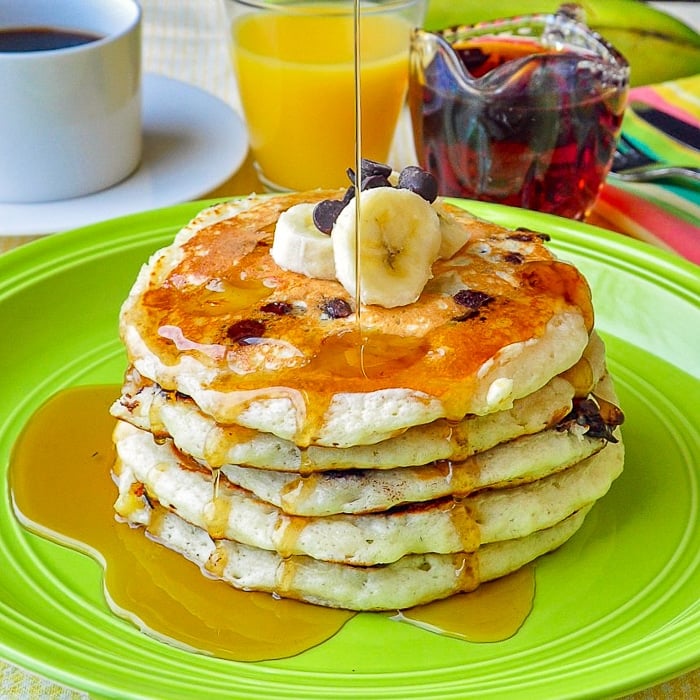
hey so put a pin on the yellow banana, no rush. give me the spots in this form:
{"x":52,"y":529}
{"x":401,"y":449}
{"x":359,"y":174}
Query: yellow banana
{"x":453,"y":235}
{"x":299,"y":246}
{"x":658,"y":47}
{"x":400,"y":239}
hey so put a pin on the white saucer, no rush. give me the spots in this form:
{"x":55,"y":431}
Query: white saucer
{"x":192,"y":143}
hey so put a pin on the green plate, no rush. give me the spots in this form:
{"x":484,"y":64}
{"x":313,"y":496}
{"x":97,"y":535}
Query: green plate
{"x":616,"y":608}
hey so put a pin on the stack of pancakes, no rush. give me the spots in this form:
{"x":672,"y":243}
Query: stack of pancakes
{"x":284,"y":445}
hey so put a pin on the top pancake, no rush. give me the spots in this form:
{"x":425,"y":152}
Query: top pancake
{"x":213,"y":317}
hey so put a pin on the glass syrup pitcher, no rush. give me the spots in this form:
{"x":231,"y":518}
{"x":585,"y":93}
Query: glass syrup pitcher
{"x":524,"y":111}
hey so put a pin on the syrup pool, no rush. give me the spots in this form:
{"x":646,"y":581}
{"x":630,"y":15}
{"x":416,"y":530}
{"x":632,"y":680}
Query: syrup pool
{"x":62,"y":489}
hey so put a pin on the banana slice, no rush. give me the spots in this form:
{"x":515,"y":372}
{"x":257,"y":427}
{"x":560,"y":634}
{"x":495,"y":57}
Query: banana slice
{"x":399,"y":241}
{"x":453,"y":234}
{"x":300,"y":247}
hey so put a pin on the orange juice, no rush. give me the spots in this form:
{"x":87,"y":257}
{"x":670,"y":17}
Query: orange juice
{"x":296,"y":80}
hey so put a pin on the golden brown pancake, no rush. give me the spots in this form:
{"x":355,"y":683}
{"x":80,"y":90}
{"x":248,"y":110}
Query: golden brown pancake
{"x":448,"y":524}
{"x":172,"y":415}
{"x":215,"y":318}
{"x":287,"y":443}
{"x":412,"y":580}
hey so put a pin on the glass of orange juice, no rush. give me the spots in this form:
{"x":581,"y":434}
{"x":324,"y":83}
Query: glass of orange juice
{"x":294,"y":63}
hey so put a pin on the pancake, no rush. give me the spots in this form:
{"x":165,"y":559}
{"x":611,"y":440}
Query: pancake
{"x":444,"y":525}
{"x":412,"y":580}
{"x":169,"y":414}
{"x":365,"y":490}
{"x":510,"y":463}
{"x":285,"y":442}
{"x":203,"y":319}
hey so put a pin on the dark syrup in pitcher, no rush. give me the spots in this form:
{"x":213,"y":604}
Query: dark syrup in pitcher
{"x":544,"y":141}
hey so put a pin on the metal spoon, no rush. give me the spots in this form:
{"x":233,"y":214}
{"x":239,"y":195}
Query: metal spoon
{"x":632,"y":165}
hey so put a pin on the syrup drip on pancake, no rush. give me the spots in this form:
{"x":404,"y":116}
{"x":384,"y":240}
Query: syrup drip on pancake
{"x":260,"y":350}
{"x":357,"y":58}
{"x":217,"y":510}
{"x":64,"y":456}
{"x":381,"y":354}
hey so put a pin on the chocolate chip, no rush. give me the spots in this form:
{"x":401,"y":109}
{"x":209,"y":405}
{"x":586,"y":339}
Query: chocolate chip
{"x":587,"y":413}
{"x":336,"y":308}
{"x":369,"y":182}
{"x":372,"y":174}
{"x":325,"y":214}
{"x":513,"y":258}
{"x":472,"y":298}
{"x":349,"y":195}
{"x":529,"y":232}
{"x":241,"y":331}
{"x":280,"y":308}
{"x":420,"y":181}
{"x":372,"y":167}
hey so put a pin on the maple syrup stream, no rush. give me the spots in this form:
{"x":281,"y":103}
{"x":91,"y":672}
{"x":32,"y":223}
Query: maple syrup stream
{"x":61,"y":488}
{"x":357,"y":74}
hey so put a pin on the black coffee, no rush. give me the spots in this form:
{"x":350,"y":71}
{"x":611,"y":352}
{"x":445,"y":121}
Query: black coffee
{"x":19,"y":39}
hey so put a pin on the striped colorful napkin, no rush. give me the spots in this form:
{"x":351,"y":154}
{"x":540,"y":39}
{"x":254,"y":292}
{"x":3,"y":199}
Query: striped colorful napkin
{"x":664,"y":214}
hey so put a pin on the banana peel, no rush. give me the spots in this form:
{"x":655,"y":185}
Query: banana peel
{"x":657,"y":46}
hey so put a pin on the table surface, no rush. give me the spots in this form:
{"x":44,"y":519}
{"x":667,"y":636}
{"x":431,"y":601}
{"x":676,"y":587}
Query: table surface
{"x":183,"y":40}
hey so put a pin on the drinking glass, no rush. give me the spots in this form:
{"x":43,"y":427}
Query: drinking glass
{"x":70,"y":81}
{"x":294,"y":64}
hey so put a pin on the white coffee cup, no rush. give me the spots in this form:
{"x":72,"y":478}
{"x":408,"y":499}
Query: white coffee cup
{"x":70,"y":118}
